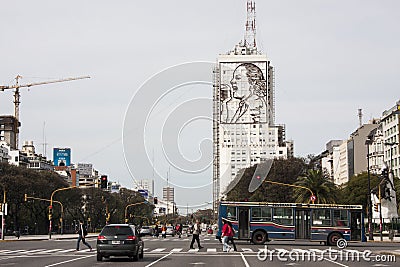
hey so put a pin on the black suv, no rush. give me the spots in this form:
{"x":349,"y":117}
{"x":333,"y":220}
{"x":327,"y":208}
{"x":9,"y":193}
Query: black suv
{"x":119,"y":240}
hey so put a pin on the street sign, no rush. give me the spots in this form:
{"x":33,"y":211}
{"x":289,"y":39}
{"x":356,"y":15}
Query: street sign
{"x":313,"y":198}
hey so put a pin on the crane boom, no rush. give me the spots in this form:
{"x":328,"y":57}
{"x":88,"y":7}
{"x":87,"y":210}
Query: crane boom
{"x":17,"y":94}
{"x":4,"y":87}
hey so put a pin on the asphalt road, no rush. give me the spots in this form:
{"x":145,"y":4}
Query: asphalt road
{"x":172,"y":251}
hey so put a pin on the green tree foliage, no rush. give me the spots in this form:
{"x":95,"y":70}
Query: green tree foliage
{"x":319,"y":183}
{"x":89,"y":204}
{"x":282,"y":171}
{"x":356,"y":190}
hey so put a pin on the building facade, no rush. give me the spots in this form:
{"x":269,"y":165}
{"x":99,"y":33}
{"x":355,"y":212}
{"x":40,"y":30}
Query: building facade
{"x":244,"y":129}
{"x":9,"y":130}
{"x":390,"y":129}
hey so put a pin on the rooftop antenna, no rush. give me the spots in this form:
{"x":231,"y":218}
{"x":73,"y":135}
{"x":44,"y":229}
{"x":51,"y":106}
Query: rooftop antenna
{"x":44,"y":140}
{"x":360,"y":115}
{"x":250,"y":35}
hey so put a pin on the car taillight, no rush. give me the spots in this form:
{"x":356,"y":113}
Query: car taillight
{"x":131,"y":237}
{"x":101,"y":237}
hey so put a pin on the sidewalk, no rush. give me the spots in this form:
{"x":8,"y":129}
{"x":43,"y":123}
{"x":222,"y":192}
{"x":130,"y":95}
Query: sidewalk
{"x":8,"y":238}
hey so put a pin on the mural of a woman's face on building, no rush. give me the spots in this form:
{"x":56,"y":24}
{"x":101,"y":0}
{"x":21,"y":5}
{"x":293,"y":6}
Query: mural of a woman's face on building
{"x":240,"y":83}
{"x":249,"y":87}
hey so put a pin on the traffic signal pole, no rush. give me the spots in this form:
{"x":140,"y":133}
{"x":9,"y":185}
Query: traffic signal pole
{"x":51,"y":206}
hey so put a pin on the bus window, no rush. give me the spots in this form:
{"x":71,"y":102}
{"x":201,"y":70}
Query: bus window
{"x":283,"y":216}
{"x":231,"y":213}
{"x":261,"y":214}
{"x":321,"y":217}
{"x":340,"y":218}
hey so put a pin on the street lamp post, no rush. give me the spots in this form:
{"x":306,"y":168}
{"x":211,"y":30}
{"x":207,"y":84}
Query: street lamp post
{"x":370,"y":230}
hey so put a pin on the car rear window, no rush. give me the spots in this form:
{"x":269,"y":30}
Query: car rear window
{"x":117,"y":230}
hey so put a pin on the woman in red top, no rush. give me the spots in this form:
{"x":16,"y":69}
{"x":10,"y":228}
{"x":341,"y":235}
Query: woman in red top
{"x":226,"y":233}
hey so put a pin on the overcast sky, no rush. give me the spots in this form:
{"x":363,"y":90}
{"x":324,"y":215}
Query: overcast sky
{"x":331,"y":58}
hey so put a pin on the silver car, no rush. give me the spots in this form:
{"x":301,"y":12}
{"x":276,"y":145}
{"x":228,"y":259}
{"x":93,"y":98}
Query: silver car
{"x":146,"y":230}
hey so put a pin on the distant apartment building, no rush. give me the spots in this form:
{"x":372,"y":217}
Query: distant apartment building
{"x":36,"y":161}
{"x":9,"y":130}
{"x":4,"y":157}
{"x":87,"y":176}
{"x":357,"y":148}
{"x":168,"y":194}
{"x":391,"y":131}
{"x":371,"y":146}
{"x":145,"y":184}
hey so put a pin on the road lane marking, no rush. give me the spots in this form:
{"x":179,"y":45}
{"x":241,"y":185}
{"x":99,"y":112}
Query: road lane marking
{"x":336,"y":262}
{"x":154,"y":262}
{"x":244,"y":260}
{"x":67,"y":261}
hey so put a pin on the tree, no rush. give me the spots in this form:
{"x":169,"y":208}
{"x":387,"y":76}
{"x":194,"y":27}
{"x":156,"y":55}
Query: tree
{"x":283,"y":171}
{"x":319,"y":183}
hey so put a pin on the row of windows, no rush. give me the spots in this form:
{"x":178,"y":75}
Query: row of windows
{"x":391,"y":130}
{"x":284,"y":216}
{"x":252,"y":140}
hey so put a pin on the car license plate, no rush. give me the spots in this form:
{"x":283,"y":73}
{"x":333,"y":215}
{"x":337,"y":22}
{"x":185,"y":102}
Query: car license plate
{"x":115,"y":242}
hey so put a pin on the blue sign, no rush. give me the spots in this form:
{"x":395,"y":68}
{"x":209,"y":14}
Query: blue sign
{"x":62,"y":156}
{"x":144,"y":193}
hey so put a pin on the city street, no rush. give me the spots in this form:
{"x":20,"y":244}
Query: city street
{"x":173,"y":251}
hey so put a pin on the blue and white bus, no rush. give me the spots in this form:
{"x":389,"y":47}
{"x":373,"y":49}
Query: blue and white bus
{"x":260,"y":221}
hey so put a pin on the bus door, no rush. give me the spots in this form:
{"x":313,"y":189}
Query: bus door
{"x":355,"y":225}
{"x":244,"y":222}
{"x":303,"y":224}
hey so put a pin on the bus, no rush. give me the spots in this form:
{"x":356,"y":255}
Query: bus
{"x":260,"y":222}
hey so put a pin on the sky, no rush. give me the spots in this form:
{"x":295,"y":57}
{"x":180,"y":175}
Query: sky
{"x":330,"y":57}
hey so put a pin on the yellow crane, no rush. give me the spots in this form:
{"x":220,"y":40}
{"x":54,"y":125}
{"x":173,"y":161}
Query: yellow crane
{"x":17,"y":93}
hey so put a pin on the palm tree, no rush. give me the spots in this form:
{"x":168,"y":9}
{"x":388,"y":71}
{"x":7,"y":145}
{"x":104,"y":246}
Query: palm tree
{"x":320,"y":184}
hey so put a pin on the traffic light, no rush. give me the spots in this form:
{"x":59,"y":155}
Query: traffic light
{"x":103,"y":182}
{"x":376,"y":207}
{"x":155,"y":201}
{"x":25,"y":197}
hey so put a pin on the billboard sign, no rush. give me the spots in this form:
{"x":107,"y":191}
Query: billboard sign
{"x":144,"y":193}
{"x":62,"y":156}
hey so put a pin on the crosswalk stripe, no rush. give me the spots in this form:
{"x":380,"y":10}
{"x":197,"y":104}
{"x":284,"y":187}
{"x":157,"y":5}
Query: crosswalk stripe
{"x":66,"y":250}
{"x":192,"y":250}
{"x":212,"y":250}
{"x":14,"y":251}
{"x":4,"y":250}
{"x":247,"y":250}
{"x":177,"y":250}
{"x":158,"y":250}
{"x":52,"y":250}
{"x":145,"y":249}
{"x":33,"y":251}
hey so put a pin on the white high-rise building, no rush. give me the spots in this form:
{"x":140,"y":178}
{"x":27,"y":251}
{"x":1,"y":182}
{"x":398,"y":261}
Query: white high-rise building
{"x":146,"y":184}
{"x":244,"y":130}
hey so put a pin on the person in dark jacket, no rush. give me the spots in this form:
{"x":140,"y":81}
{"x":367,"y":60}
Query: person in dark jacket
{"x":82,"y":232}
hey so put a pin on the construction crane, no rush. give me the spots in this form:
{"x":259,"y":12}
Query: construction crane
{"x":17,"y":93}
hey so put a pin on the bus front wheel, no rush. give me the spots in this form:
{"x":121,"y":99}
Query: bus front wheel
{"x":333,"y":238}
{"x":259,"y":237}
